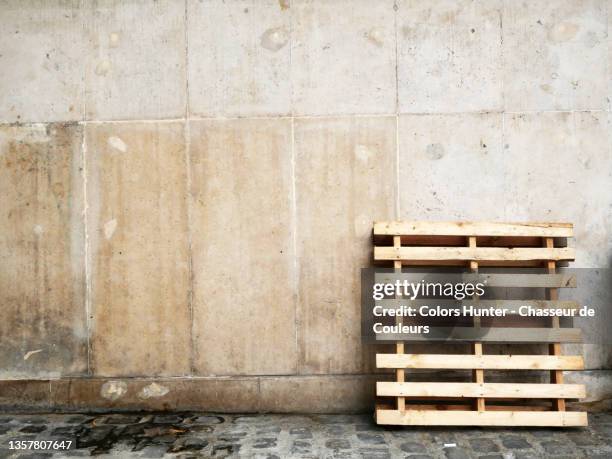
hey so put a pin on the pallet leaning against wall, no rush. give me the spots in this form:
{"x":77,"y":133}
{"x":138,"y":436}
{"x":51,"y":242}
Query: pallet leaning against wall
{"x":478,"y":402}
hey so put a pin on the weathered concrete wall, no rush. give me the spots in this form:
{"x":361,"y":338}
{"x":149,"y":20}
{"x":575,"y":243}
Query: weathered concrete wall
{"x":154,"y":156}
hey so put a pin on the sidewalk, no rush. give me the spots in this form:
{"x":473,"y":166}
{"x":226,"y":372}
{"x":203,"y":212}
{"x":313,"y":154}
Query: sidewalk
{"x":187,"y":435}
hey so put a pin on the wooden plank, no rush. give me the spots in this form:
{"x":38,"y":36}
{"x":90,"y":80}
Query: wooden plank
{"x":555,"y":348}
{"x":459,"y":241}
{"x":491,"y":280}
{"x":485,"y":362}
{"x":512,"y":306}
{"x":482,"y":263}
{"x":399,"y":346}
{"x":440,"y":404}
{"x":425,"y":228}
{"x":499,"y":335}
{"x":477,"y":375}
{"x":484,"y":390}
{"x":472,"y":253}
{"x":482,"y":418}
{"x":525,"y":280}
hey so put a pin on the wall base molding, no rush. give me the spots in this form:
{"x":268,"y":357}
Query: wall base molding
{"x":248,"y":394}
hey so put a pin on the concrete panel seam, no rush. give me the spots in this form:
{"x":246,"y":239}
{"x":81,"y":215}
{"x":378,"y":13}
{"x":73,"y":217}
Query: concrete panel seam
{"x":397,"y":110}
{"x":296,"y":276}
{"x":397,"y":170}
{"x":186,"y":60}
{"x":300,"y":117}
{"x":504,"y":175}
{"x":395,"y":8}
{"x":287,"y":376}
{"x":86,"y":250}
{"x":290,"y":44}
{"x":144,"y":121}
{"x":187,"y":139}
{"x":533,"y":112}
{"x":501,"y":58}
{"x":296,"y":294}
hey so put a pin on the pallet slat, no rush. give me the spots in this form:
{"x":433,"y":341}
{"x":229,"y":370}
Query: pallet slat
{"x":399,"y":346}
{"x":473,"y":253}
{"x":554,"y":348}
{"x":493,"y":280}
{"x":490,"y":335}
{"x":477,"y":375}
{"x":483,"y":418}
{"x":421,"y":228}
{"x":485,"y":362}
{"x":458,"y":404}
{"x":485,"y":390}
{"x":527,"y":280}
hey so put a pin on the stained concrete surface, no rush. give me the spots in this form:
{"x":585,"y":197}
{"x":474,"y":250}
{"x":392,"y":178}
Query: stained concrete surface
{"x":456,"y":48}
{"x":345,"y":176}
{"x":553,"y":57}
{"x":42,"y":57}
{"x":195,"y":434}
{"x":238,"y":394}
{"x":432,"y":148}
{"x":43,"y":326}
{"x":562,"y":187}
{"x":353,"y":112}
{"x":242,"y":247}
{"x":75,"y":60}
{"x":135,"y":59}
{"x":138,"y":246}
{"x":343,"y":57}
{"x":239,"y":55}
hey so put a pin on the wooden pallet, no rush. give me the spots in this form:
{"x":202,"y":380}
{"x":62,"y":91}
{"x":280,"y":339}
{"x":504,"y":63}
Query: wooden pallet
{"x":477,"y":402}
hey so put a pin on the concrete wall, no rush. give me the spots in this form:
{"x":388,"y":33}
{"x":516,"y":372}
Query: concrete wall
{"x":187,"y":188}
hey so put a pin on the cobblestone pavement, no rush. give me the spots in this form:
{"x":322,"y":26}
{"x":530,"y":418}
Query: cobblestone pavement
{"x":194,"y":435}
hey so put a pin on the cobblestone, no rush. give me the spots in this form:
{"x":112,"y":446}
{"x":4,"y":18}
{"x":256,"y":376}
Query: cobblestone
{"x":413,"y":447}
{"x":456,"y":453}
{"x":267,"y":436}
{"x":556,"y":448}
{"x":515,"y":442}
{"x":483,"y":445}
